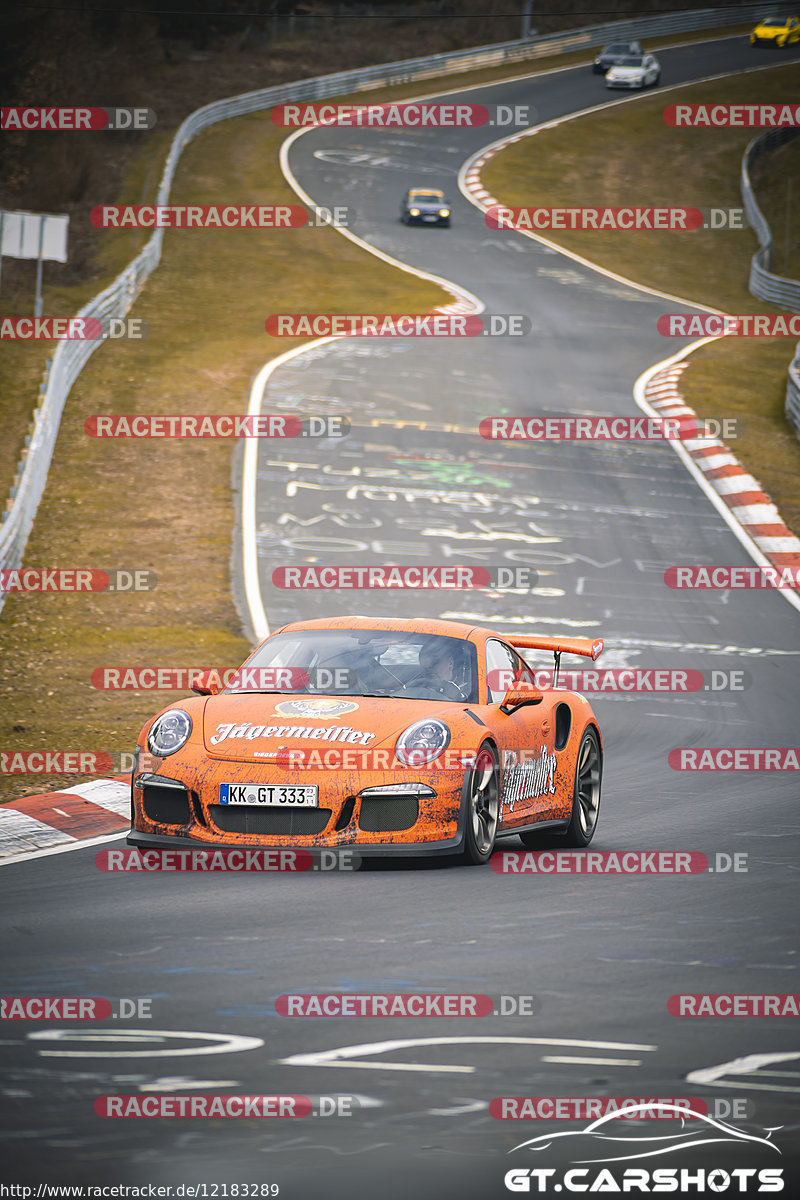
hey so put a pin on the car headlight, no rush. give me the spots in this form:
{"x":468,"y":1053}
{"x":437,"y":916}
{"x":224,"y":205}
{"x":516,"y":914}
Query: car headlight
{"x":422,"y":742}
{"x":444,"y":212}
{"x":169,"y":732}
{"x":414,"y":212}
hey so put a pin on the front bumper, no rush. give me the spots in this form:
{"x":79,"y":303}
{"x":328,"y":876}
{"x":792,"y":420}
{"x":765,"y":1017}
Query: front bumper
{"x":156,"y":841}
{"x":184,"y":809}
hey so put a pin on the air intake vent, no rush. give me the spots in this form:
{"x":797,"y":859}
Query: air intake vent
{"x":167,"y":805}
{"x":563,"y":725}
{"x":387,"y":813}
{"x":246,"y":818}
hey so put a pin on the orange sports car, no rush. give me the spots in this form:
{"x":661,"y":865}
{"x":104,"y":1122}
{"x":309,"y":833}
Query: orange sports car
{"x":382,"y":736}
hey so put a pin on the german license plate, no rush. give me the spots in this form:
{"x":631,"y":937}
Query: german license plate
{"x":266,"y":794}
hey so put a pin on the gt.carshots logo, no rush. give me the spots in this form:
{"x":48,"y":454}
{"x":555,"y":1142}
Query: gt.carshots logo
{"x":42,"y":118}
{"x":677,"y":1180}
{"x":628,"y":219}
{"x":396,"y":325}
{"x":610,"y":1139}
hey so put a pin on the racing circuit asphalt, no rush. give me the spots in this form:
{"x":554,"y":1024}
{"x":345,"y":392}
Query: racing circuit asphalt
{"x":601,"y":954}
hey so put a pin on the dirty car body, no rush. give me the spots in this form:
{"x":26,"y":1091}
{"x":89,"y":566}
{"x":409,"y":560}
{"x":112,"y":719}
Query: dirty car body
{"x":384,"y":736}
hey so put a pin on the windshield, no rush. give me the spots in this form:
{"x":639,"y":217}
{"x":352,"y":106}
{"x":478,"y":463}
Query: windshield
{"x":776,"y":21}
{"x":426,"y":198}
{"x":364,"y":662}
{"x":618,"y":48}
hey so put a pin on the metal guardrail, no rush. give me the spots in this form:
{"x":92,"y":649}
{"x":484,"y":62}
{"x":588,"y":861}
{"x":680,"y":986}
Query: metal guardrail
{"x":763,"y":284}
{"x":793,"y":392}
{"x":116,"y":300}
{"x":773,"y":288}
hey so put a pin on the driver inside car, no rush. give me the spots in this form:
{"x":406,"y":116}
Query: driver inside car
{"x":436,"y":671}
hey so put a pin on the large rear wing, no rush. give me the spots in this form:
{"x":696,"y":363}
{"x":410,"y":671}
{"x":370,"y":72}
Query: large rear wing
{"x":558,"y":646}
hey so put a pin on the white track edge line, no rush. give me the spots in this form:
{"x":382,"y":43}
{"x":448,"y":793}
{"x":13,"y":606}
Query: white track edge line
{"x":746,"y":539}
{"x":76,"y":845}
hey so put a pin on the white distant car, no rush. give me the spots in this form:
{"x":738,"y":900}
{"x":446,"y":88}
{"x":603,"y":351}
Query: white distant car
{"x":636,"y":71}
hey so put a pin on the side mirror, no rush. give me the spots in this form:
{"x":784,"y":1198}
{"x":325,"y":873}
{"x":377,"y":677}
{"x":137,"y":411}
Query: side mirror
{"x":516,"y":697}
{"x":205,"y":684}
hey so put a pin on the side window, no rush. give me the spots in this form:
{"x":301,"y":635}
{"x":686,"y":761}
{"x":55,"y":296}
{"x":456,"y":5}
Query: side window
{"x":504,"y":668}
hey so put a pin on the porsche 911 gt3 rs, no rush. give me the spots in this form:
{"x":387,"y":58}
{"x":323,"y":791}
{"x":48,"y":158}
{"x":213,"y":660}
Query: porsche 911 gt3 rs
{"x":385,"y":736}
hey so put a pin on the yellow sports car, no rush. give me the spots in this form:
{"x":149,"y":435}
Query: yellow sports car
{"x":777,"y":31}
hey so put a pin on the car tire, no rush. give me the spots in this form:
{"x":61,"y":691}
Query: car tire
{"x":482,"y":808}
{"x":585,"y":801}
{"x":657,"y":80}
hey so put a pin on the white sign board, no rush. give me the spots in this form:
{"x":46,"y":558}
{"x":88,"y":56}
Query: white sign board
{"x":33,"y":235}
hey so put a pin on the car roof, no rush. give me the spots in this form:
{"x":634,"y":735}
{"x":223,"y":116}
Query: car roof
{"x":427,"y":625}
